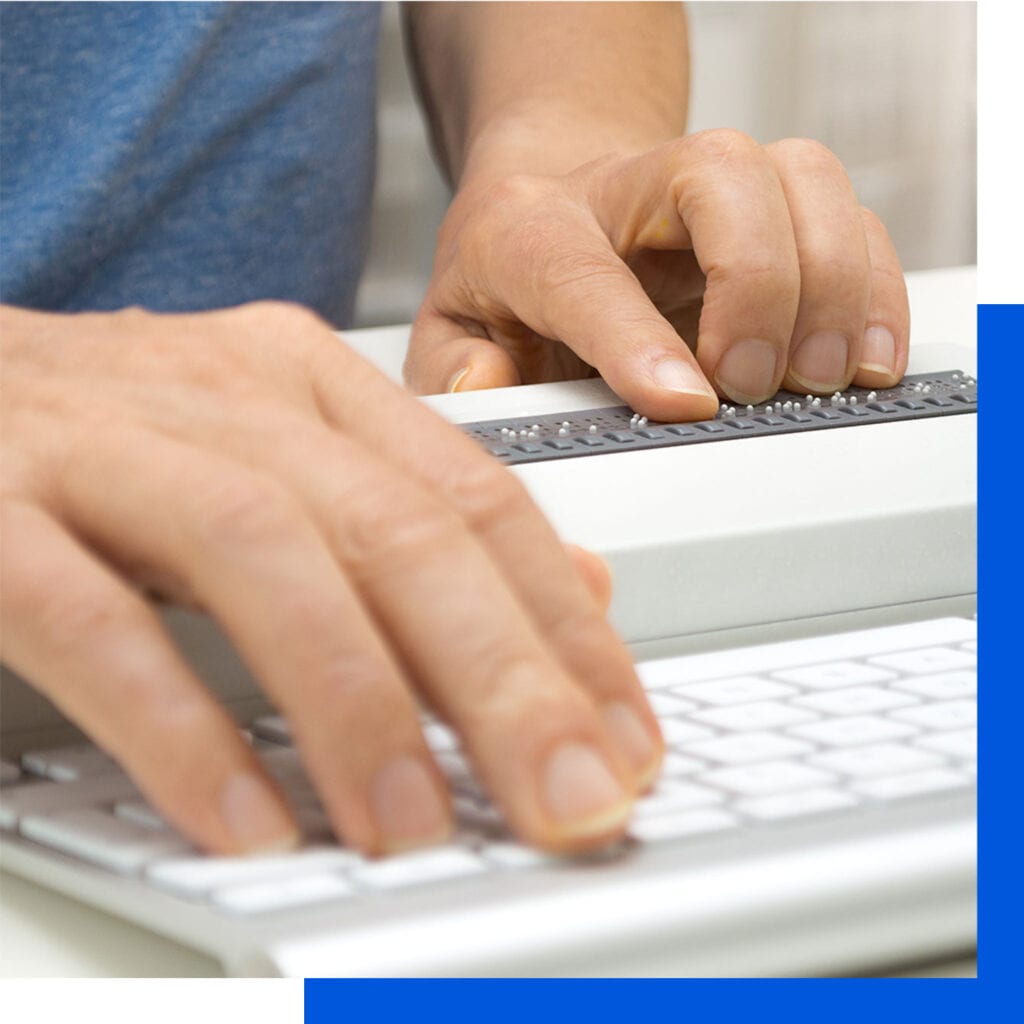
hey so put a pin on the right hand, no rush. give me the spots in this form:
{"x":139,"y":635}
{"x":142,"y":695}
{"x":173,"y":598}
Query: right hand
{"x":362,"y":555}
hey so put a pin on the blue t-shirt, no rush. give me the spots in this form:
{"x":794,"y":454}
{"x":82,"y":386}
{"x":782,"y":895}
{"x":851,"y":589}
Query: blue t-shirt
{"x":185,"y":156}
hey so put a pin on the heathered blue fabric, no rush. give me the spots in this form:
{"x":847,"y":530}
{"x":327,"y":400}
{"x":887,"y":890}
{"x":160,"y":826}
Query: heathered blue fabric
{"x":185,"y":156}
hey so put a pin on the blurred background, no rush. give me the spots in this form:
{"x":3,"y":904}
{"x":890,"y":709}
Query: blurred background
{"x":889,"y":87}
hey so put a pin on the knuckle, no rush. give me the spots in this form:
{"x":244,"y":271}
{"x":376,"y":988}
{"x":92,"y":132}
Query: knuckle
{"x":717,"y":145}
{"x":486,"y":495}
{"x":396,"y":529}
{"x":243,"y":508}
{"x":807,"y":155}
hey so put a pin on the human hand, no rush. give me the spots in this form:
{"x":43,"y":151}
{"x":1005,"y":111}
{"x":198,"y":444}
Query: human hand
{"x":361,"y":554}
{"x":759,"y":257}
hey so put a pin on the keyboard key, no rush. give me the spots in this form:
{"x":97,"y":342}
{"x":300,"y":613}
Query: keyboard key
{"x":855,"y":700}
{"x":100,"y":838}
{"x":273,"y":728}
{"x":685,"y":823}
{"x":680,"y":431}
{"x":9,"y":772}
{"x":559,"y":444}
{"x":948,"y":714}
{"x":196,"y":876}
{"x":739,"y":424}
{"x":620,"y":437}
{"x":651,"y":435}
{"x":892,"y":787}
{"x":678,"y":764}
{"x":853,"y":731}
{"x":747,"y":748}
{"x":738,"y":690}
{"x":439,"y":737}
{"x":675,"y":796}
{"x":931,"y":659}
{"x":516,"y":856}
{"x":759,"y":715}
{"x":834,"y":675}
{"x":962,"y":743}
{"x":678,"y":733}
{"x":41,"y":798}
{"x":879,"y":759}
{"x":138,"y":812}
{"x":796,"y":804}
{"x":283,"y":893}
{"x":710,"y":427}
{"x":420,"y":868}
{"x":767,"y":777}
{"x":65,"y":764}
{"x":943,"y":686}
{"x":665,"y":704}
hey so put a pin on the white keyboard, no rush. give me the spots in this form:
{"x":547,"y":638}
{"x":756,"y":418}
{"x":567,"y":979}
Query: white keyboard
{"x":759,"y":738}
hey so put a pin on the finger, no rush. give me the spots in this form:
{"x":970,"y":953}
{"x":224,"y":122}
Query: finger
{"x":718,"y":194}
{"x":97,"y":650}
{"x":595,"y":572}
{"x":536,"y":738}
{"x":442,"y":358}
{"x":255,"y":559}
{"x":517,"y":538}
{"x":835,"y":272}
{"x":885,"y":348}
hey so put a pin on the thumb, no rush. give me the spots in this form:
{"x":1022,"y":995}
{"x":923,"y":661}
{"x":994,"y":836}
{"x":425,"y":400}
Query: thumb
{"x":443,"y":358}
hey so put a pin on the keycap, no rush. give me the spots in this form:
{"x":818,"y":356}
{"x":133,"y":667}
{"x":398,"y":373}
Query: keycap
{"x":891,"y":787}
{"x":930,"y":659}
{"x":196,"y":876}
{"x":64,"y":764}
{"x":685,"y":823}
{"x":943,"y":686}
{"x":9,"y":772}
{"x":796,"y":804}
{"x":948,"y":714}
{"x":620,"y":436}
{"x":439,"y":737}
{"x":282,"y":893}
{"x":739,"y":424}
{"x":853,"y":410}
{"x":765,"y":714}
{"x":101,"y":838}
{"x":877,"y":759}
{"x":517,"y":856}
{"x":826,"y":414}
{"x":590,"y":442}
{"x":852,"y":731}
{"x":771,"y":421}
{"x":710,"y":427}
{"x":665,"y":704}
{"x":651,"y":435}
{"x":796,"y":417}
{"x":678,"y":764}
{"x":939,"y":401}
{"x":273,"y":728}
{"x":882,"y":407}
{"x":680,"y":431}
{"x":677,"y":732}
{"x":737,"y":690}
{"x":834,"y":675}
{"x":856,"y":700}
{"x":420,"y":868}
{"x":767,"y":777}
{"x":559,"y":444}
{"x":527,"y":448}
{"x":910,"y":403}
{"x":962,"y":743}
{"x":676,"y":796}
{"x":41,"y":798}
{"x":746,"y":748}
{"x":138,"y":812}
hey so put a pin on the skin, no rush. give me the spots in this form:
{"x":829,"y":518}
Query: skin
{"x":684,"y":269}
{"x":231,"y":460}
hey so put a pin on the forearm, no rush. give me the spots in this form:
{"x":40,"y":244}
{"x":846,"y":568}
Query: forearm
{"x":544,"y":87}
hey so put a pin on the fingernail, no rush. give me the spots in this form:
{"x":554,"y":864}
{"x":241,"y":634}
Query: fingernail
{"x":406,"y":805}
{"x":255,"y":817}
{"x":632,"y":736}
{"x":580,"y":792}
{"x":747,"y":371}
{"x":453,"y":384}
{"x":878,"y":351}
{"x":679,"y":375}
{"x":819,"y":362}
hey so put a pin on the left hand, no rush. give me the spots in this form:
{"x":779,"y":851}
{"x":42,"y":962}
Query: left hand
{"x":708,"y":268}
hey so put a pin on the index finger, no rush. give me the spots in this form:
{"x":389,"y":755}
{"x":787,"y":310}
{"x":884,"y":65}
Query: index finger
{"x":517,"y":537}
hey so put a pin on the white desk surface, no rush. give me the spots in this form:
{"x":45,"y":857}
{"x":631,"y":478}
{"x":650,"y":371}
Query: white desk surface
{"x":43,"y":934}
